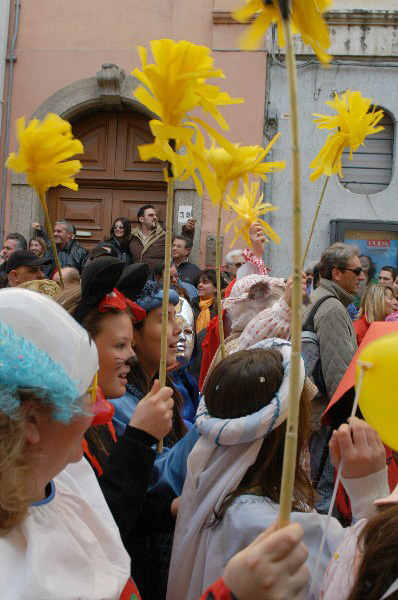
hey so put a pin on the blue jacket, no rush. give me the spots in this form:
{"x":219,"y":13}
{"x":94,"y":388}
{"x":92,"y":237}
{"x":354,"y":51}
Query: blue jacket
{"x":170,"y":468}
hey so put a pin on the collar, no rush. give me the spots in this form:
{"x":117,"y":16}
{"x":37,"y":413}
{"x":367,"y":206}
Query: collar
{"x":50,"y":493}
{"x":333,"y":287}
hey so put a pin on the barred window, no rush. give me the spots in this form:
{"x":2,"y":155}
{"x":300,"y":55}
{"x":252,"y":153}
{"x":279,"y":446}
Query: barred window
{"x":370,"y":170}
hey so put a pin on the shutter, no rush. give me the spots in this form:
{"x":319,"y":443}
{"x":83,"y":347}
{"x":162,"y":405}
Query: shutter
{"x":370,"y":170}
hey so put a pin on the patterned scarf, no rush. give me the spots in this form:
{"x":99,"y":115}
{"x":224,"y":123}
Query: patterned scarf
{"x":204,"y":316}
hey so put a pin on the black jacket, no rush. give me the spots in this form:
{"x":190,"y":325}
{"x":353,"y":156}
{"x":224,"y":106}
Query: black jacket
{"x":188,"y":272}
{"x":123,"y":251}
{"x":71,"y":255}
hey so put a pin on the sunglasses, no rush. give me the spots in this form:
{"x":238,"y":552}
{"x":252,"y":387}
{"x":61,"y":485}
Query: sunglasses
{"x":92,"y":390}
{"x":118,"y":227}
{"x":357,"y":271}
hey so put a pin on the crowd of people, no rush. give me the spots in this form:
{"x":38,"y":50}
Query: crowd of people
{"x":90,"y":510}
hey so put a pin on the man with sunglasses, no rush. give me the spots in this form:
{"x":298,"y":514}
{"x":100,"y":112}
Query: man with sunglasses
{"x":341,"y":273}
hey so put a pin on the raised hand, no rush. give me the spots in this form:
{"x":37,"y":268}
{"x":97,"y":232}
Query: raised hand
{"x":359,"y":448}
{"x":154,"y":412}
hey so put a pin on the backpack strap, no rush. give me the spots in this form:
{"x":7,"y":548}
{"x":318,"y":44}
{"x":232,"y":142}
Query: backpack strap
{"x":309,"y":323}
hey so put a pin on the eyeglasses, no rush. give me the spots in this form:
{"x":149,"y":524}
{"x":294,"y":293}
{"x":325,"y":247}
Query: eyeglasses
{"x":357,"y":271}
{"x":92,"y":390}
{"x":118,"y":227}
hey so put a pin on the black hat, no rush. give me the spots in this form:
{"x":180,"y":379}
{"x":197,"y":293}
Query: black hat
{"x":99,"y":278}
{"x":25,"y":258}
{"x":133,"y":279}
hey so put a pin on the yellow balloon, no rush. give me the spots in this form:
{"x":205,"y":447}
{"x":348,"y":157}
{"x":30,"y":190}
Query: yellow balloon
{"x":378,"y":399}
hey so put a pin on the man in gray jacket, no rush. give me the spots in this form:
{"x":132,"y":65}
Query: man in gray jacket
{"x":341,"y":273}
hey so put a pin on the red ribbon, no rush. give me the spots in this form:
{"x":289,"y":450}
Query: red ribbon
{"x":118,"y":301}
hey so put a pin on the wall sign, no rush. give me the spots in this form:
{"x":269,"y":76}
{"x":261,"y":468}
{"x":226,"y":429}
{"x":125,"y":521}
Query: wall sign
{"x":184,"y":213}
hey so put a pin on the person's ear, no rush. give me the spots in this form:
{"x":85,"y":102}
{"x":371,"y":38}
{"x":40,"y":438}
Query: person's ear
{"x":32,"y":418}
{"x":336,"y":274}
{"x":13,"y":278}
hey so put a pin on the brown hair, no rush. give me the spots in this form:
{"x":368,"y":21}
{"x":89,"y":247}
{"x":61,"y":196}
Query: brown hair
{"x":69,"y":299}
{"x":42,"y":243}
{"x":97,"y":435}
{"x":378,"y":543}
{"x":242,"y":384}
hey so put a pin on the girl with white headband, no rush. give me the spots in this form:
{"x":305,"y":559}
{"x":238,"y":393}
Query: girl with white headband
{"x":233,"y":481}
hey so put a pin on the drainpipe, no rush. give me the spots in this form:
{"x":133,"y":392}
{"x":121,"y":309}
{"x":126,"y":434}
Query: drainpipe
{"x":4,"y":20}
{"x":11,"y":60}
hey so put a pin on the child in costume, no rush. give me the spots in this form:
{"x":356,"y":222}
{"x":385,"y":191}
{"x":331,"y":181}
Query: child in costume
{"x":232,"y":487}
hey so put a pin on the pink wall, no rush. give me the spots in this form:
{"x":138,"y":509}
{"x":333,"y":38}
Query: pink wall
{"x":61,"y":42}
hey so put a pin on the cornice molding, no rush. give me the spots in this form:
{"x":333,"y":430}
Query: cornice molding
{"x":338,"y":17}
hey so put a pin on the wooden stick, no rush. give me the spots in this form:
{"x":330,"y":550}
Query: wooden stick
{"x":290,"y":452}
{"x":166,"y":287}
{"x":51,"y":236}
{"x":315,"y":218}
{"x":218,"y":276}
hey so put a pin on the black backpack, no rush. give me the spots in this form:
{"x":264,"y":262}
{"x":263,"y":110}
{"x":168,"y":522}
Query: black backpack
{"x":310,"y":348}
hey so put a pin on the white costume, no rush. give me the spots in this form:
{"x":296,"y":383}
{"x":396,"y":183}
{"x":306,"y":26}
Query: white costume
{"x":216,"y":465}
{"x":67,"y":548}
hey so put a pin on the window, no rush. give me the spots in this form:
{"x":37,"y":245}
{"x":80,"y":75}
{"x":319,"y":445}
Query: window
{"x":370,"y":170}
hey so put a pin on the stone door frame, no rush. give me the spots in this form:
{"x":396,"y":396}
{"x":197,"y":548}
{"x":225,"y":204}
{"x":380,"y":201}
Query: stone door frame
{"x":109,"y":88}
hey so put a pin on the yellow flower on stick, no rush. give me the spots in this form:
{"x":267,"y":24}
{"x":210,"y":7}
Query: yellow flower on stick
{"x":353,"y":122}
{"x":306,"y":19}
{"x":43,"y":153}
{"x":176,"y":85}
{"x":249,"y":211}
{"x":233,"y":163}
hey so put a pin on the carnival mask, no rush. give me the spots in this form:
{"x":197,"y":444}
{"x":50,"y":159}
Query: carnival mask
{"x":186,"y":340}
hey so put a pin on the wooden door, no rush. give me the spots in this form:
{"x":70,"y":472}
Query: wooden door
{"x":89,"y":210}
{"x":113,"y":182}
{"x":127,"y":202}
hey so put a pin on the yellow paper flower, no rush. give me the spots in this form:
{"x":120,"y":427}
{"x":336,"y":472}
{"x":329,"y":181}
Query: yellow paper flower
{"x":175,"y":85}
{"x":233,"y":163}
{"x":353,"y":122}
{"x":44,"y":150}
{"x":306,"y":19}
{"x":249,"y":211}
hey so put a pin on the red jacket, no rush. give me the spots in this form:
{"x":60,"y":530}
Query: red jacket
{"x":361,"y":326}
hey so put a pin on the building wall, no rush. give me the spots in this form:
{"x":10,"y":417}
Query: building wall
{"x":365,"y":45}
{"x":63,"y":43}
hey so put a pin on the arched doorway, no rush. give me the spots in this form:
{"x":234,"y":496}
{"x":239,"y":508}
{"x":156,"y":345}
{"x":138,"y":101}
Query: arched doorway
{"x":113,"y":181}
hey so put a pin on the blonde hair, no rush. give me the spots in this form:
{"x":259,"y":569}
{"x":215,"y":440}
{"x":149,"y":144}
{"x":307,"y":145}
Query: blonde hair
{"x":14,"y":485}
{"x":372,"y":303}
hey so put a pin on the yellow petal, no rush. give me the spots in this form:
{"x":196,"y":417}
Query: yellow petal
{"x":349,"y":127}
{"x":43,"y":153}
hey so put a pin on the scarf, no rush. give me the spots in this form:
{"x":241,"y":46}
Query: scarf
{"x":216,"y":466}
{"x":204,"y":316}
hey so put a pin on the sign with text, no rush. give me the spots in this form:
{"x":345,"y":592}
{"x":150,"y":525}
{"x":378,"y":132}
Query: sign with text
{"x":382,"y":244}
{"x":184,"y":213}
